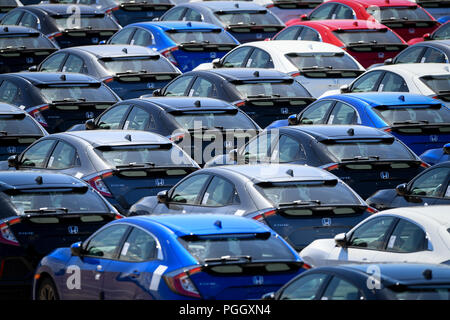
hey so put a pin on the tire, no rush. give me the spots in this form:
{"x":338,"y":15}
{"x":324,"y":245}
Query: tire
{"x":47,"y":290}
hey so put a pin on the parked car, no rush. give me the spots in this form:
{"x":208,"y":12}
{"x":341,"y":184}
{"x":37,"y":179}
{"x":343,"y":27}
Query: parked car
{"x":437,"y":9}
{"x":392,"y":281}
{"x":420,"y":122}
{"x":264,"y":94}
{"x":430,"y":187}
{"x":291,"y":9}
{"x":369,"y":42}
{"x":441,"y":33}
{"x":171,"y":257}
{"x":185,"y":44}
{"x":436,"y":51}
{"x":122,"y":165}
{"x":18,"y":130}
{"x":8,"y":5}
{"x":41,"y":212}
{"x":21,"y":47}
{"x":245,"y":20}
{"x":367,"y":159}
{"x":402,"y":235}
{"x":130,"y":71}
{"x":434,"y":156}
{"x":57,"y":23}
{"x":316,"y":65}
{"x":56,"y":100}
{"x":300,"y":203}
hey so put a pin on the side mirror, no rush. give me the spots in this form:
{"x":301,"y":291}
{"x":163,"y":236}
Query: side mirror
{"x":157,"y":93}
{"x":427,"y":36}
{"x":345,"y":88}
{"x":76,"y":249}
{"x":341,"y":240}
{"x":304,"y":17}
{"x":217,"y":63}
{"x":268,"y":296}
{"x":155,"y":19}
{"x":292,"y":120}
{"x":233,"y":154}
{"x":402,"y":189}
{"x":33,"y":68}
{"x":90,"y":124}
{"x":446,"y":148}
{"x":13,"y":162}
{"x":388,"y":61}
{"x":162,"y":196}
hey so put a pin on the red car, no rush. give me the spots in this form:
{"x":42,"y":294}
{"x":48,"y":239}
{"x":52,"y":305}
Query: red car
{"x":369,"y":42}
{"x":406,"y":18}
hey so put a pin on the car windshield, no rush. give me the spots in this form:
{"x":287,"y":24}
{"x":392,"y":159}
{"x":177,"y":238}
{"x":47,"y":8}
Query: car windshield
{"x":401,"y":13}
{"x":367,"y":36}
{"x":294,"y":191}
{"x":149,"y":155}
{"x":216,"y":119}
{"x":371,"y":149}
{"x":8,"y":3}
{"x":439,"y":84}
{"x":206,"y":37}
{"x":14,"y":126}
{"x":73,"y":201}
{"x":442,"y":33}
{"x":328,"y":60}
{"x":272,"y":89}
{"x":423,"y":293}
{"x":85,"y":22}
{"x":256,"y":248}
{"x":34,"y":41}
{"x":256,"y":18}
{"x":77,"y":94}
{"x":137,"y":64}
{"x":419,"y":114}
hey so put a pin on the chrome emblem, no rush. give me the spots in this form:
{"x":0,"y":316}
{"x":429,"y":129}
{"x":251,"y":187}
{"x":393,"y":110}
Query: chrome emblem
{"x":326,"y":222}
{"x":284,"y":110}
{"x":29,"y":60}
{"x":95,"y":40}
{"x":89,"y":115}
{"x":258,"y":280}
{"x":380,"y":55}
{"x":11,"y":149}
{"x":213,"y":55}
{"x":150,"y":85}
{"x":434,"y":138}
{"x":159,"y":182}
{"x":384,"y":175}
{"x":73,"y":229}
{"x":411,"y":30}
{"x":259,"y":36}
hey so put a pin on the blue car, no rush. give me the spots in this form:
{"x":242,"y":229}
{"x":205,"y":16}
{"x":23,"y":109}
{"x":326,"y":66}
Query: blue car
{"x":203,"y":256}
{"x":185,"y":44}
{"x":435,"y":156}
{"x":420,"y":122}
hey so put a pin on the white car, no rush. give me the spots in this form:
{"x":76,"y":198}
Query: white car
{"x":318,"y":66}
{"x":429,"y":79}
{"x":410,"y":234}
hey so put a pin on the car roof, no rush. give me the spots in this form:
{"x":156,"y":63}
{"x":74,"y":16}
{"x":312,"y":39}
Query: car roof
{"x":387,"y":98}
{"x":379,"y":3}
{"x":117,"y":137}
{"x":22,"y":179}
{"x":441,"y":44}
{"x":205,"y":224}
{"x":248,"y":73}
{"x":188,"y":103}
{"x":417,"y":69}
{"x":440,"y":214}
{"x":230,"y":5}
{"x":12,"y":29}
{"x":286,"y":46}
{"x":54,"y":77}
{"x":63,"y":9}
{"x":4,"y":107}
{"x":176,"y":25}
{"x":116,"y":50}
{"x":326,"y":132}
{"x":277,"y":172}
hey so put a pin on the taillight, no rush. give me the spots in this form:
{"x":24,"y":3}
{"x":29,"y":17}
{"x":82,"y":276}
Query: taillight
{"x":387,"y":130}
{"x":118,"y":216}
{"x":180,"y":282}
{"x":168,"y":54}
{"x":177,"y":138}
{"x":239,"y":104}
{"x":112,"y":9}
{"x":270,"y":5}
{"x":108,"y":80}
{"x":36,"y":113}
{"x":295,"y":74}
{"x":306,"y":266}
{"x":371,"y":210}
{"x":54,"y":35}
{"x":98,"y":184}
{"x":331,"y":167}
{"x":264,"y":214}
{"x":424,"y":165}
{"x":6,"y":235}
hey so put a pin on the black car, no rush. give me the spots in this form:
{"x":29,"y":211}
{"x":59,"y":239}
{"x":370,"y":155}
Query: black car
{"x":123,"y":165}
{"x":365,"y":158}
{"x":67,"y":25}
{"x":431,"y":187}
{"x":300,"y":203}
{"x":8,"y":5}
{"x":264,"y":94}
{"x":17,"y":130}
{"x":22,"y":47}
{"x":192,"y":123}
{"x":369,"y":282}
{"x":42,"y":212}
{"x":56,"y":100}
{"x":437,"y":51}
{"x":130,"y":11}
{"x":130,"y":71}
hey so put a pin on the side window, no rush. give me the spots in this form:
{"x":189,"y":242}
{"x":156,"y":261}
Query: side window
{"x":393,"y":83}
{"x":12,"y":18}
{"x":372,"y":234}
{"x":343,"y":114}
{"x":304,"y":288}
{"x":63,"y":156}
{"x":219,"y":193}
{"x":9,"y":92}
{"x":410,"y":55}
{"x":142,"y":38}
{"x":112,"y":118}
{"x":407,"y":237}
{"x":309,"y":34}
{"x":367,"y":82}
{"x":259,"y":59}
{"x":290,"y":33}
{"x":29,"y":20}
{"x":174,"y":15}
{"x":192,"y":15}
{"x":434,"y":56}
{"x":188,"y":191}
{"x":139,"y":119}
{"x":53,"y":63}
{"x":122,"y":37}
{"x":339,"y":289}
{"x":37,"y":154}
{"x":431,"y":184}
{"x":236,"y":58}
{"x":203,"y":88}
{"x":260,"y":148}
{"x":179,"y":86}
{"x":139,"y":246}
{"x":323,"y":12}
{"x":74,"y":64}
{"x":316,"y":113}
{"x":343,"y":12}
{"x":289,"y":150}
{"x":105,"y":244}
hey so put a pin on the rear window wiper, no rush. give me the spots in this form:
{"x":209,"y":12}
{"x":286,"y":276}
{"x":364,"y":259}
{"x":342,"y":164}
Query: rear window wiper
{"x":47,"y":210}
{"x":363,"y":43}
{"x":357,"y":158}
{"x":317,"y":68}
{"x":300,"y":203}
{"x":410,"y":122}
{"x":228,"y":258}
{"x":275,"y":95}
{"x":69,"y":100}
{"x":136,"y":165}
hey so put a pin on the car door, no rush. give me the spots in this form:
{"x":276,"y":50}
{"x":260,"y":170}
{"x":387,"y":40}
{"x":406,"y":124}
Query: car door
{"x":367,"y":82}
{"x":36,"y":156}
{"x":305,"y":287}
{"x":237,"y":58}
{"x":317,"y":113}
{"x":29,"y":20}
{"x":12,"y":18}
{"x":114,"y":117}
{"x":310,"y":34}
{"x":179,"y":87}
{"x":98,"y":252}
{"x":54,"y":63}
{"x":363,"y":243}
{"x":260,"y":148}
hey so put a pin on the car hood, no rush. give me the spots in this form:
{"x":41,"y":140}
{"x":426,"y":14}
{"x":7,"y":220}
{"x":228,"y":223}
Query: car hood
{"x":317,"y":252}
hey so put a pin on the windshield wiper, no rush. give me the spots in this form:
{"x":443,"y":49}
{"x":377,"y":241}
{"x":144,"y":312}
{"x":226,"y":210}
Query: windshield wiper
{"x":357,"y":158}
{"x":228,"y":258}
{"x":136,"y":165}
{"x":411,"y":122}
{"x":69,"y":100}
{"x":47,"y":210}
{"x":300,"y":203}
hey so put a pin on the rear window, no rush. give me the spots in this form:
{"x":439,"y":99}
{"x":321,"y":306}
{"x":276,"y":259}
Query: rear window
{"x":247,"y":18}
{"x":423,"y":293}
{"x":257,"y":247}
{"x":24,"y":41}
{"x":207,"y":37}
{"x":85,"y":22}
{"x":10,"y":126}
{"x":151,"y":155}
{"x":77,"y":93}
{"x":217,"y":119}
{"x":402,"y":13}
{"x":376,"y":36}
{"x":439,"y":84}
{"x":414,"y":114}
{"x":329,"y":60}
{"x":87,"y":201}
{"x":137,"y":64}
{"x":272,"y":89}
{"x":8,"y":3}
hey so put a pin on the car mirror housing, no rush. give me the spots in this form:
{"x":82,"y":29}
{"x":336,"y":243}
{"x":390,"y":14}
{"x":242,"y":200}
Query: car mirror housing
{"x":162,"y":196}
{"x":402,"y":189}
{"x":304,"y":17}
{"x":217,"y":63}
{"x":233,"y":154}
{"x":157,"y":93}
{"x":389,"y":61}
{"x":33,"y":69}
{"x":102,"y":42}
{"x":90,"y":124}
{"x":13,"y":161}
{"x":293,"y":120}
{"x":446,"y":148}
{"x":268,"y":296}
{"x":345,"y":88}
{"x":76,"y":249}
{"x":427,"y":36}
{"x":155,"y":19}
{"x":341,"y":240}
